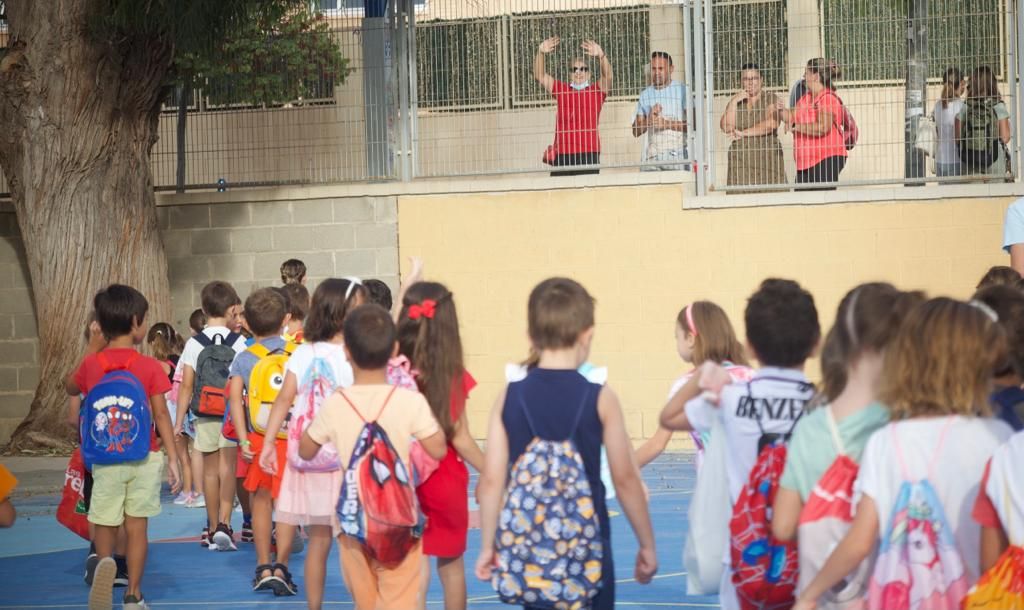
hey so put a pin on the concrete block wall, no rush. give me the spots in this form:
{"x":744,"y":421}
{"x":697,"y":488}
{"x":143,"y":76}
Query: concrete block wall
{"x":19,"y":373}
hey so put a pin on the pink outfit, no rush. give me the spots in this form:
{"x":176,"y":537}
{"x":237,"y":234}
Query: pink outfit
{"x":308,"y":498}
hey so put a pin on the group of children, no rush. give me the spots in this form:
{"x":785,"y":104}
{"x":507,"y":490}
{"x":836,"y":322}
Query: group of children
{"x":343,"y":417}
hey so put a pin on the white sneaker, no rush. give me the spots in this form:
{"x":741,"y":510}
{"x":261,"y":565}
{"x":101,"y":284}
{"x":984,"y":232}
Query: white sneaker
{"x":182,"y":498}
{"x":196,"y":501}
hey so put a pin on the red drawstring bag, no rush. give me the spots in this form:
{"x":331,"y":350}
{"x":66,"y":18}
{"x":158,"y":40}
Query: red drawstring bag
{"x":71,"y":511}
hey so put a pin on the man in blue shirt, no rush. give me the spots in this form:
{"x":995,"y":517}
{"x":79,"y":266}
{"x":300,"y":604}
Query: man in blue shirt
{"x":661,"y":114}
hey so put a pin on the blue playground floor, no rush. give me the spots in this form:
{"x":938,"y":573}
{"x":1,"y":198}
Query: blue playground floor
{"x":41,"y":563}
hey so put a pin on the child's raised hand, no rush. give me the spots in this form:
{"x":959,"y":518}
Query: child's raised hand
{"x":485,"y":564}
{"x":646,"y":565}
{"x":416,"y":271}
{"x":268,"y":459}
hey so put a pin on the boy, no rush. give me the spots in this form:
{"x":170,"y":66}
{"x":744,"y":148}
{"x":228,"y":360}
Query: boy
{"x":218,"y":299}
{"x":293,"y":271}
{"x":782,"y":332}
{"x":370,"y":341}
{"x":298,"y":307}
{"x":265,"y":313}
{"x":126,"y":493}
{"x":554,"y":402}
{"x":379,"y":293}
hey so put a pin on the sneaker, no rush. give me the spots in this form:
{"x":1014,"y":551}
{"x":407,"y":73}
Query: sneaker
{"x":135,"y":603}
{"x":246,"y":535}
{"x":101,"y":594}
{"x":90,"y":567}
{"x":121,"y":579}
{"x":182,"y":498}
{"x":196,"y":501}
{"x":223,"y":539}
{"x":287,"y":586}
{"x":204,"y":540}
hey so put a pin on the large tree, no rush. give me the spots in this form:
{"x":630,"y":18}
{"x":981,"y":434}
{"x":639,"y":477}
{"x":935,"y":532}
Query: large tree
{"x":81,"y":87}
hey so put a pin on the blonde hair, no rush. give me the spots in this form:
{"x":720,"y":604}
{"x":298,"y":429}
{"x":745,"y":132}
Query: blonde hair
{"x":715,"y":338}
{"x":942,"y":361}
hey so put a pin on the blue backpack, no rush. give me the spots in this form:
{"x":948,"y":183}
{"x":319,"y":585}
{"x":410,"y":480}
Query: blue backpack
{"x":115,"y":420}
{"x":548,"y":542}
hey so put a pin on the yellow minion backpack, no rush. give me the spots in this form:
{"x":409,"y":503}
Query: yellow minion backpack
{"x":265,"y":383}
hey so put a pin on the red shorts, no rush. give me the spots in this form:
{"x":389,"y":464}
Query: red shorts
{"x":257,"y":477}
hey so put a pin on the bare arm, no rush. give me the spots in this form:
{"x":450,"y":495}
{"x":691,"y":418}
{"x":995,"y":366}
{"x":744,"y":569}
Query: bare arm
{"x":853,"y":549}
{"x":1017,"y":258}
{"x":728,"y":121}
{"x":821,"y":126}
{"x":466,"y":445}
{"x":236,"y":405}
{"x":74,"y":409}
{"x":673,"y":415}
{"x":435,"y":445}
{"x":1004,"y":131}
{"x":786,"y":514}
{"x":639,"y":125}
{"x":956,"y":130}
{"x":278,"y":412}
{"x":653,"y":447}
{"x":993,"y":544}
{"x":7,"y":513}
{"x":491,"y":486}
{"x":158,"y":406}
{"x":308,"y":448}
{"x":539,"y":71}
{"x":593,"y":49}
{"x":415,"y":275}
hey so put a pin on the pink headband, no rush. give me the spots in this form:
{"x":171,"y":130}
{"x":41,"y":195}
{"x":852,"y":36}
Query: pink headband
{"x":689,"y":320}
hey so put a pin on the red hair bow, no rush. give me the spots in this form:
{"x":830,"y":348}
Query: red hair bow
{"x":425,"y":309}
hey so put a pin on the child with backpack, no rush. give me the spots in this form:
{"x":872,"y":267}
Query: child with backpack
{"x":982,"y":129}
{"x":205,"y":363}
{"x":556,"y":415}
{"x":1007,"y":396}
{"x":919,"y":474}
{"x":756,"y":418}
{"x":310,"y":488}
{"x":822,"y":460}
{"x":255,"y":378}
{"x":428,"y":335}
{"x":166,"y":344}
{"x":371,"y":424}
{"x":298,"y":308}
{"x":124,"y":399}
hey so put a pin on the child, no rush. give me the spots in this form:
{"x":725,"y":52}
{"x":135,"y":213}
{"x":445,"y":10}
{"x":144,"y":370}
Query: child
{"x":782,"y":332}
{"x":298,"y":306}
{"x":293,"y":271}
{"x":219,"y":454}
{"x":428,"y":335}
{"x":309,"y":499}
{"x":402,"y":414}
{"x":866,"y":323}
{"x":378,"y":293}
{"x":703,"y":332}
{"x":265,"y":313}
{"x":166,"y":345}
{"x":126,"y":492}
{"x":1007,"y":395}
{"x":999,"y":509}
{"x":1000,"y":275}
{"x":555,"y":402}
{"x":197,"y":322}
{"x":936,"y":381}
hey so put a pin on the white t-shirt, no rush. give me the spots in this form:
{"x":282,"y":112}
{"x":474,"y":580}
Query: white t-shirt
{"x":1005,"y":487}
{"x":956,"y":475}
{"x":945,"y":151}
{"x":776,"y":398}
{"x":332,"y":352}
{"x":190,"y":355}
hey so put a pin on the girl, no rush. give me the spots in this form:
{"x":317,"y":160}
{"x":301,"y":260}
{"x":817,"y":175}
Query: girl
{"x":428,"y":335}
{"x":947,"y":159}
{"x":166,"y":345}
{"x":703,"y":333}
{"x":866,"y":322}
{"x":1000,"y":506}
{"x":984,"y":106}
{"x":816,"y":122}
{"x":936,"y":378}
{"x":308,"y":499}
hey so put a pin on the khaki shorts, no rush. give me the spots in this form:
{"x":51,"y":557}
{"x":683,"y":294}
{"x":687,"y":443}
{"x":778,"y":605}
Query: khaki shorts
{"x":131,"y":488}
{"x":208,"y":436}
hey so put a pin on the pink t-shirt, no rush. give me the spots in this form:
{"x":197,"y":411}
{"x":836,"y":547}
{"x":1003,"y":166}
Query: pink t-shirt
{"x":812,"y":150}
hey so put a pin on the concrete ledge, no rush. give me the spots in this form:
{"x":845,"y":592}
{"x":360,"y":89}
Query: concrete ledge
{"x":860,"y":194}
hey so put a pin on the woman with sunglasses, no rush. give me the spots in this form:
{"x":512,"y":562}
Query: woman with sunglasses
{"x":579,"y":103}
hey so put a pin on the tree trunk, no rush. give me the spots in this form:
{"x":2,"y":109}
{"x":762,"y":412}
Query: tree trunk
{"x":78,"y":119}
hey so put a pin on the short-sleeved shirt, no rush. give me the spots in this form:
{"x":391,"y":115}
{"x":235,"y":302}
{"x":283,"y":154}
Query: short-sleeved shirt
{"x":147,"y":370}
{"x":775,"y":397}
{"x":945,"y":117}
{"x":576,"y":118}
{"x":1002,"y":503}
{"x":190,"y":355}
{"x":811,"y":450}
{"x":1013,"y":226}
{"x":672,"y":99}
{"x":406,"y":416}
{"x":812,"y":150}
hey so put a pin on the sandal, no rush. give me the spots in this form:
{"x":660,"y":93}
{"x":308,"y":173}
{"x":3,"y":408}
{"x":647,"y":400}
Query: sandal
{"x":284,"y":585}
{"x":266,"y":583}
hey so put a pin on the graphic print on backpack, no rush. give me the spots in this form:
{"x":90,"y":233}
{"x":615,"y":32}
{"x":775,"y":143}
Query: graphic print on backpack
{"x":211,"y":375}
{"x":265,"y":383}
{"x":979,"y":136}
{"x":317,"y":384}
{"x":378,"y":505}
{"x":115,"y":419}
{"x":548,"y":545}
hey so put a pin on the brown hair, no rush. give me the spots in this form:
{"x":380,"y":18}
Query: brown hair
{"x":265,"y":310}
{"x":164,"y":341}
{"x":298,"y":300}
{"x":1008,"y":303}
{"x":197,"y":321}
{"x":827,"y":70}
{"x":941,"y":361}
{"x":951,"y":80}
{"x":433,"y":346}
{"x":217,"y":298}
{"x":558,"y":312}
{"x":1000,"y":275}
{"x":293,"y":271}
{"x":867,"y":320}
{"x":983,"y":84}
{"x":329,"y":307}
{"x":716,"y":340}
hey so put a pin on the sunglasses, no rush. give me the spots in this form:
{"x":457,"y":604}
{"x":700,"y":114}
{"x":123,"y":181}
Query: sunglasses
{"x":580,"y":69}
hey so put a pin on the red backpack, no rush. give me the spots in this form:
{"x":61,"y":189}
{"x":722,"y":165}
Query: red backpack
{"x":378,"y":504}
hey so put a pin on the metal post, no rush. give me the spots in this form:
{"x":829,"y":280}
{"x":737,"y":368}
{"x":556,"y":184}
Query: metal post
{"x":695,"y":74}
{"x":376,"y":42}
{"x":414,"y":94}
{"x":403,"y":8}
{"x":709,"y":88}
{"x":916,"y":87}
{"x":1015,"y":67}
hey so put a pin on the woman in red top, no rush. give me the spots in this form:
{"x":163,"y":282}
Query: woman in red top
{"x":579,"y":103}
{"x":428,"y":335}
{"x":816,"y":123}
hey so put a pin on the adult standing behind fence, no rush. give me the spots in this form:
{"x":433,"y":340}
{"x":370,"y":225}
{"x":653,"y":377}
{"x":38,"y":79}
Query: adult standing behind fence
{"x":579,"y":104}
{"x":661,"y":114}
{"x":751,"y":119}
{"x":945,"y":113}
{"x":983,"y":126}
{"x":816,"y":123}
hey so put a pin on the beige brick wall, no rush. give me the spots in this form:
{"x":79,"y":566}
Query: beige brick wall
{"x":643,"y":257}
{"x":18,"y":371}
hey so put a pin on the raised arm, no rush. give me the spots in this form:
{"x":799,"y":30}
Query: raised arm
{"x":539,"y":72}
{"x":593,"y":49}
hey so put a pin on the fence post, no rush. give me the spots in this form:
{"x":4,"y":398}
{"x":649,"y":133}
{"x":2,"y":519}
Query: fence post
{"x":916,"y":88}
{"x":378,"y":87}
{"x":404,"y":9}
{"x":696,"y":57}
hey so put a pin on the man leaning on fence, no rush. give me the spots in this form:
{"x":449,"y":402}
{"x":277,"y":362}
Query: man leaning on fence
{"x":661,"y":114}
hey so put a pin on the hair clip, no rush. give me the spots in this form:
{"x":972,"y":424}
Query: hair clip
{"x":988,"y":311}
{"x":424,"y":310}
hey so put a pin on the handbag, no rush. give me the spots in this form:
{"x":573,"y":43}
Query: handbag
{"x":925,"y":138}
{"x":709,"y":514}
{"x":71,"y":512}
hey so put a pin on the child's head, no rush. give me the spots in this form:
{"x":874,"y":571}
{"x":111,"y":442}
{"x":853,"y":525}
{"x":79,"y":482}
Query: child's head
{"x":217,"y":299}
{"x":293,"y":271}
{"x":428,"y":334}
{"x":265,"y":310}
{"x":1008,"y":303}
{"x":121,"y":310}
{"x":379,"y":293}
{"x":560,"y":313}
{"x":782,"y":324}
{"x":164,"y":341}
{"x":704,"y":332}
{"x":866,"y":322}
{"x":197,"y":321}
{"x":332,"y":301}
{"x":942,"y":361}
{"x":1000,"y":275}
{"x":298,"y":301}
{"x":369,"y":337}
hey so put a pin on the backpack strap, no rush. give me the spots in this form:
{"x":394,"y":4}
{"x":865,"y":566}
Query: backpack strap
{"x":379,"y":413}
{"x":837,"y":440}
{"x":203,"y":339}
{"x":110,"y":366}
{"x":935,"y":456}
{"x":575,"y":423}
{"x":259,"y":350}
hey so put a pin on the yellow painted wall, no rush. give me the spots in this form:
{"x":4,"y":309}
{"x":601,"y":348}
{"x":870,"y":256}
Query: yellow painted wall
{"x":643,"y":257}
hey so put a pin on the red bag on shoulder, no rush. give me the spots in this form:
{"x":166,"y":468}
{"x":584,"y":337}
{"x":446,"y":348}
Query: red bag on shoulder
{"x":71,"y":511}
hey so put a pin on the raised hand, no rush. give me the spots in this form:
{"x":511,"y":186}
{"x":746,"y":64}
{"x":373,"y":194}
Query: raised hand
{"x":592,"y":48}
{"x":550,"y":44}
